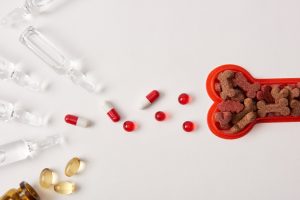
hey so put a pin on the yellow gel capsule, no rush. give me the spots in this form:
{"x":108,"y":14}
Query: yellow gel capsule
{"x":47,"y":178}
{"x":74,"y":166}
{"x":65,"y":188}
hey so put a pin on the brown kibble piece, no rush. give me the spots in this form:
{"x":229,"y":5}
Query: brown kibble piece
{"x":273,"y":114}
{"x":294,"y":92}
{"x":278,"y":93}
{"x":249,"y":107}
{"x":292,"y":86}
{"x":218,"y":87}
{"x":280,"y":107}
{"x":265,"y":94}
{"x":223,"y":118}
{"x":225,"y":79}
{"x":295,"y":105}
{"x":245,"y":121}
{"x":250,"y":88}
{"x":230,"y":106}
{"x":239,"y":96}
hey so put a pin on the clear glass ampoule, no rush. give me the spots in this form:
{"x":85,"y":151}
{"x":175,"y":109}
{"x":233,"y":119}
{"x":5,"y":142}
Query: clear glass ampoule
{"x":9,"y":112}
{"x":21,"y":15}
{"x":23,"y":149}
{"x":8,"y":71}
{"x":45,"y":50}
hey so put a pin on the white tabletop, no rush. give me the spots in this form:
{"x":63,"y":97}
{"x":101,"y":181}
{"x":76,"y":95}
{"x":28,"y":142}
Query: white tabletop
{"x":132,"y":47}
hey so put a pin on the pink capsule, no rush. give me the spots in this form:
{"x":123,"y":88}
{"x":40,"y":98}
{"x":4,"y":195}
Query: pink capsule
{"x":150,"y":99}
{"x":111,"y":111}
{"x":77,"y":121}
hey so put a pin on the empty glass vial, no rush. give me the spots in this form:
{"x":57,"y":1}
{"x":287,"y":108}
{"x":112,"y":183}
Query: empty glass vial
{"x":9,"y":72}
{"x":23,"y":149}
{"x":9,"y":112}
{"x":45,"y":50}
{"x":19,"y":16}
{"x":25,"y":192}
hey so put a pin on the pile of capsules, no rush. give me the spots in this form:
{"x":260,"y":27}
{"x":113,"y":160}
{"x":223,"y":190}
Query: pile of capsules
{"x":49,"y":179}
{"x":243,"y":102}
{"x":130,"y":126}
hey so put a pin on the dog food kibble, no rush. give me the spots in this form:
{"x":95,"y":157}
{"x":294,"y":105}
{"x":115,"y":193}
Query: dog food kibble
{"x":293,"y":92}
{"x":231,"y":106}
{"x":223,"y":118}
{"x":218,"y":87}
{"x":241,"y":81}
{"x":240,"y":125}
{"x":160,"y":116}
{"x":225,"y":79}
{"x":249,"y":107}
{"x":295,"y":106}
{"x":265,"y":94}
{"x":243,"y":101}
{"x":47,"y":178}
{"x":184,"y":99}
{"x":129,"y":126}
{"x":65,"y":187}
{"x":279,"y":93}
{"x":281,"y":107}
{"x":188,"y":126}
{"x":74,"y":166}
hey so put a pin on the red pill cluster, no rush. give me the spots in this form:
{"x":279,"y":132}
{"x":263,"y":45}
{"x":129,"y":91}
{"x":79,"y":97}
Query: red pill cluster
{"x":183,"y":99}
{"x":131,"y":126}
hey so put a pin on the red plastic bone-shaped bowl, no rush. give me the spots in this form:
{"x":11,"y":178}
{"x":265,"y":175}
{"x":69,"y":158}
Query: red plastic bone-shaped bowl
{"x":210,"y":87}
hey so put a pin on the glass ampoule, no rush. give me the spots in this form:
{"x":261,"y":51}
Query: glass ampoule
{"x":21,"y":15}
{"x":8,"y":71}
{"x":9,"y":112}
{"x":53,"y":57}
{"x":22,"y":149}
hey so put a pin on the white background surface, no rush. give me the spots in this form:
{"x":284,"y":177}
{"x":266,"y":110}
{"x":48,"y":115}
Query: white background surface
{"x":133,"y":46}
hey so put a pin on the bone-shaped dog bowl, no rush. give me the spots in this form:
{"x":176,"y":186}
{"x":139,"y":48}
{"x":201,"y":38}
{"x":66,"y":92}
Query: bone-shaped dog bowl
{"x":210,"y":86}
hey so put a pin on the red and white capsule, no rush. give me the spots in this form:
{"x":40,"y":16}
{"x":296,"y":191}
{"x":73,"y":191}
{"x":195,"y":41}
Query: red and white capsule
{"x":77,"y":121}
{"x":150,"y":99}
{"x":111,"y":111}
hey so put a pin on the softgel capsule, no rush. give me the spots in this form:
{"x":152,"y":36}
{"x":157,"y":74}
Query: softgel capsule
{"x":74,"y":166}
{"x":65,"y":187}
{"x":48,"y":178}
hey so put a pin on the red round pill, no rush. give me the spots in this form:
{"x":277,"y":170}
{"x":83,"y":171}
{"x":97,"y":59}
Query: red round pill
{"x":188,"y":126}
{"x":184,"y":98}
{"x":160,"y":116}
{"x":129,"y":126}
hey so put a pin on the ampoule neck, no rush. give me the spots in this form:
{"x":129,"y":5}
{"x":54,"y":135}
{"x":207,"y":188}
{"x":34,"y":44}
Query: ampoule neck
{"x":6,"y":69}
{"x":36,"y":6}
{"x":36,"y":146}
